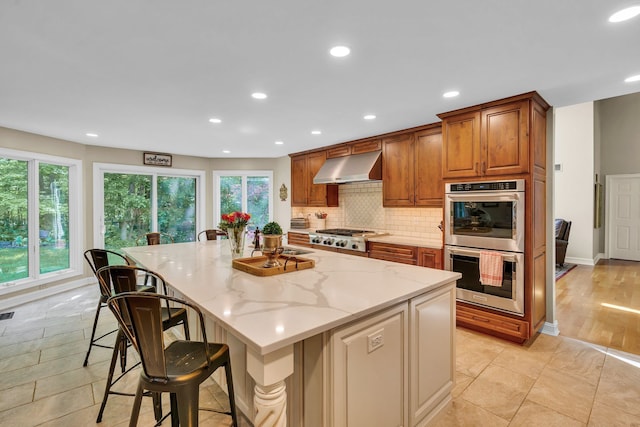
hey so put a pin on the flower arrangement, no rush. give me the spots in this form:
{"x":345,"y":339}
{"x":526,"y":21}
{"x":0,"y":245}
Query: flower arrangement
{"x":234,"y":220}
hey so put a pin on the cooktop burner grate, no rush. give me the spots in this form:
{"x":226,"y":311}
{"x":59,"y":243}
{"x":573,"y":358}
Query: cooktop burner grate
{"x":344,"y":231}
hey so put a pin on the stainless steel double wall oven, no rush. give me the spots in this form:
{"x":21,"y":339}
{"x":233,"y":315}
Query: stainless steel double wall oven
{"x":486,"y":216}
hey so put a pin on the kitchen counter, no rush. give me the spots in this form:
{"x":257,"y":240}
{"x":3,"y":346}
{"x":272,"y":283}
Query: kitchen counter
{"x":409,"y":241}
{"x":269,"y":315}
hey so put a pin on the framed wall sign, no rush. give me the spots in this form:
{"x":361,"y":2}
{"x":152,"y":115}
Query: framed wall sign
{"x":157,"y":159}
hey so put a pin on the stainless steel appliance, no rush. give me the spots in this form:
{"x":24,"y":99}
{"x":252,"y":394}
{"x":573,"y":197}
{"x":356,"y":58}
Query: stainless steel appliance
{"x":508,"y":297}
{"x":342,"y":238}
{"x":486,"y":216}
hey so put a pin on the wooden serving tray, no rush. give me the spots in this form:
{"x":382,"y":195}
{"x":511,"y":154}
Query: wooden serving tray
{"x":254,"y":265}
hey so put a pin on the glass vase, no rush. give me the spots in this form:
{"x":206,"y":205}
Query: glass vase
{"x":236,"y":241}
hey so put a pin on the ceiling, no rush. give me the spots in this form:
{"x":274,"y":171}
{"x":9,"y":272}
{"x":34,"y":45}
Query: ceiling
{"x":149,"y":75}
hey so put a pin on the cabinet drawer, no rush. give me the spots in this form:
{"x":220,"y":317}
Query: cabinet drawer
{"x":341,"y":151}
{"x":473,"y":318}
{"x":300,"y":239}
{"x":396,"y":253}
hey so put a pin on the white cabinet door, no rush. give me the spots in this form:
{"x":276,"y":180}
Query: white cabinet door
{"x":432,"y":320}
{"x":369,"y":364}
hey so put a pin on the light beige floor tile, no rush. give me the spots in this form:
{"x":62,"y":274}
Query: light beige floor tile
{"x":460,"y":413}
{"x":78,"y":325}
{"x":522,"y":361}
{"x":47,"y":409}
{"x":531,"y":414}
{"x":620,"y":383}
{"x":16,"y":396}
{"x":21,"y":336}
{"x":19,"y":361}
{"x":70,"y":379}
{"x":474,"y":353}
{"x":39,"y":344}
{"x":40,"y":371}
{"x":581,"y":359}
{"x":462,"y":382}
{"x":498,"y":390}
{"x":544,"y":343}
{"x":98,"y":354}
{"x":563,"y":392}
{"x":605,"y":416}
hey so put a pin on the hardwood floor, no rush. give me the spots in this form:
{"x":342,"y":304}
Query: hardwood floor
{"x":601,"y":304}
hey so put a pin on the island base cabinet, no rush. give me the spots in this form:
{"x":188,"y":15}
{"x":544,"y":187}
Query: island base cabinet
{"x":369,"y":371}
{"x":432,"y":321}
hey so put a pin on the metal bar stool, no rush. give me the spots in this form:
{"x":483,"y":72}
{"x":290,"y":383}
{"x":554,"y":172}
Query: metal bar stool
{"x":117,"y":279}
{"x":178,"y":368}
{"x":211,"y":234}
{"x":98,"y":258}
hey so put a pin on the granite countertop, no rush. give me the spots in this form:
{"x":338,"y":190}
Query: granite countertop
{"x":269,"y":313}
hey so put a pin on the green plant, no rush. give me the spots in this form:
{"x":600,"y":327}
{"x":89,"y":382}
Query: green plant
{"x":272,"y":228}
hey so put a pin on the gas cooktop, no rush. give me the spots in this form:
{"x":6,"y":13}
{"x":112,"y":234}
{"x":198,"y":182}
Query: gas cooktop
{"x":345,"y":232}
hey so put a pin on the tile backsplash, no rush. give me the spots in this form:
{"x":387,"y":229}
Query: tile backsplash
{"x":361,"y":207}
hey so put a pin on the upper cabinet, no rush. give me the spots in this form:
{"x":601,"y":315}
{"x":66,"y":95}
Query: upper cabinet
{"x":303,"y":191}
{"x":411,"y":169}
{"x":489,"y":140}
{"x":354,"y":148}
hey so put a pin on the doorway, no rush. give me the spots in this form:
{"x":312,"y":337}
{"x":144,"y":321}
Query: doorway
{"x":623,"y":217}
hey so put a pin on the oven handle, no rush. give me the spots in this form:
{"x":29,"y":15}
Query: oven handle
{"x":476,"y":253}
{"x":510,"y":196}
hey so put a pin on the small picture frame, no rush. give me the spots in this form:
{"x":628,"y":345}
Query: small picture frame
{"x":157,"y":159}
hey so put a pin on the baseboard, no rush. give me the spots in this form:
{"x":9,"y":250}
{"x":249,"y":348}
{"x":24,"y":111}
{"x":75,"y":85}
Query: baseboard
{"x":27,"y":297}
{"x":550,"y":328}
{"x":581,"y":261}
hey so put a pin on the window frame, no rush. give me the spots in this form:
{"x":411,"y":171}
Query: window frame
{"x":76,"y":221}
{"x":244,"y":174}
{"x":99,"y":169}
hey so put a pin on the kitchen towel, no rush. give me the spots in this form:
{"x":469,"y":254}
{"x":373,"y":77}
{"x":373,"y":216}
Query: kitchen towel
{"x":491,"y":268}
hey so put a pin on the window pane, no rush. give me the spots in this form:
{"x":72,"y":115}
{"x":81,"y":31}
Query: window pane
{"x":14,"y":256}
{"x":230,"y":194}
{"x":177,"y":208}
{"x":54,"y":217}
{"x":127,"y":208}
{"x":258,"y":199}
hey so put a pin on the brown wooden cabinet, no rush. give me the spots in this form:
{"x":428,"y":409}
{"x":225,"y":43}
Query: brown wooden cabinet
{"x":411,"y":169}
{"x":357,"y":147}
{"x":299,"y":239}
{"x":486,"y":141}
{"x":429,"y":257}
{"x":390,"y":252}
{"x":303,"y":191}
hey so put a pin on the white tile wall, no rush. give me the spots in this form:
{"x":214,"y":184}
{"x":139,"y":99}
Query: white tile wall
{"x":361,"y":207}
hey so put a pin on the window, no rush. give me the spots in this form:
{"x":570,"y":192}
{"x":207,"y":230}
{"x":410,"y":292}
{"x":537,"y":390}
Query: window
{"x":246,"y":191}
{"x":40,"y":224}
{"x":132,"y":201}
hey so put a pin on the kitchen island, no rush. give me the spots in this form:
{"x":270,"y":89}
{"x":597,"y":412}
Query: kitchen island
{"x":355,"y":341}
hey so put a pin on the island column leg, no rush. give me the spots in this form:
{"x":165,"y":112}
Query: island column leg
{"x":270,"y":395}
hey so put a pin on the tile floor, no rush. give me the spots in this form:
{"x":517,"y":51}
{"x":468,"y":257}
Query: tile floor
{"x":556,"y":381}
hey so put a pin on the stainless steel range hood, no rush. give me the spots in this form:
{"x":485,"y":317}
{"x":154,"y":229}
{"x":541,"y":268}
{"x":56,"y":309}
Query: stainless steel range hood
{"x":353,"y":168}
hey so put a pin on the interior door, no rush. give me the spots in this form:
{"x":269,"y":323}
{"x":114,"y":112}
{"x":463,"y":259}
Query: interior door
{"x":623,"y":216}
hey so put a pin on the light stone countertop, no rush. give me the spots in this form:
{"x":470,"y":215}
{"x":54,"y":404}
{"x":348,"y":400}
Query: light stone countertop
{"x":269,"y":313}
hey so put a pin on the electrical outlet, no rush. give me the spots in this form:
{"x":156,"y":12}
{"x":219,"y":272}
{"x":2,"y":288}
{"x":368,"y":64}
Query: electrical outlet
{"x":375,"y":340}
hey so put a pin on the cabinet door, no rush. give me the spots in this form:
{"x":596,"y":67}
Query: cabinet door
{"x":299,"y":180}
{"x":431,"y":258}
{"x":366,"y":146}
{"x":505,"y":138}
{"x":369,"y":362}
{"x":432,"y":359}
{"x":461,"y":145}
{"x":340,"y":151}
{"x":317,"y":193}
{"x":398,"y":171}
{"x":429,"y":189}
{"x":396,"y":253}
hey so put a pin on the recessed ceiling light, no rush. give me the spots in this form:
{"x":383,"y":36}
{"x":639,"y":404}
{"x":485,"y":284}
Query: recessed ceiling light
{"x":316,"y":132}
{"x":226,"y":151}
{"x":215,"y":120}
{"x":625,"y":14}
{"x":340,"y":51}
{"x":369,"y":117}
{"x":279,"y":142}
{"x":632,"y":79}
{"x":92,"y":135}
{"x":259,"y":95}
{"x":451,"y":94}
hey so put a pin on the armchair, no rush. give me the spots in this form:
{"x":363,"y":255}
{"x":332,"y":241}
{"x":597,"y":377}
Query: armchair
{"x":563,"y":228}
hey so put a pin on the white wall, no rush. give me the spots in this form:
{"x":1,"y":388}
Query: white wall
{"x":574,"y":145}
